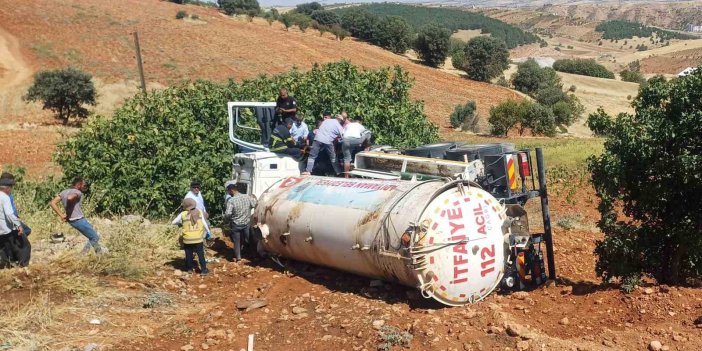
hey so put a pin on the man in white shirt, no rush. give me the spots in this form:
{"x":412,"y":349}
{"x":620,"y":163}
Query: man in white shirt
{"x":300,"y":131}
{"x":196,"y":195}
{"x":355,"y":135}
{"x":11,"y":231}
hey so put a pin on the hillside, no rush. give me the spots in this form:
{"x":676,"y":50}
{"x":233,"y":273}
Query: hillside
{"x":96,"y":36}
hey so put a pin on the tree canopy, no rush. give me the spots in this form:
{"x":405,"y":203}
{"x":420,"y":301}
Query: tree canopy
{"x":452,"y":19}
{"x":432,"y":44}
{"x":63,"y":91}
{"x":485,"y":58}
{"x":649,"y":185}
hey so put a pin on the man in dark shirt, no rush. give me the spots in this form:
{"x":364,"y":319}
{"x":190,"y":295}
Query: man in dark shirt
{"x":285,"y":107}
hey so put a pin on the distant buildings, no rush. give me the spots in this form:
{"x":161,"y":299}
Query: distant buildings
{"x":693,"y":28}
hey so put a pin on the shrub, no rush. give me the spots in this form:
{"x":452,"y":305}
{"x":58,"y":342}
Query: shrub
{"x":146,"y":154}
{"x":632,"y":76}
{"x":538,"y":118}
{"x":194,"y":17}
{"x":502,"y":81}
{"x":181,"y":14}
{"x":64,"y":92}
{"x":238,"y":7}
{"x":647,"y":180}
{"x":486,"y":58}
{"x":572,"y":88}
{"x":394,"y":34}
{"x":432,"y":44}
{"x":585,"y":67}
{"x":464,"y":116}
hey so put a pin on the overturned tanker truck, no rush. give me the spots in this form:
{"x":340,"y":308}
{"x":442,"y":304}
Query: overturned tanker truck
{"x":447,"y":219}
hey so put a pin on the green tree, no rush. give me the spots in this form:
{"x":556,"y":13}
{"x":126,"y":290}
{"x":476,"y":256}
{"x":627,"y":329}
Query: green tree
{"x":537,"y":118}
{"x":600,"y":123}
{"x":145,"y":155}
{"x":239,"y":7}
{"x":647,"y":180}
{"x":463,"y":116}
{"x":505,"y":116}
{"x":308,"y":8}
{"x":339,"y":33}
{"x":181,"y":14}
{"x":394,"y":34}
{"x":326,"y":18}
{"x":486,"y":58}
{"x":64,"y":92}
{"x":302,"y":21}
{"x":361,"y":24}
{"x":566,"y":112}
{"x":287,"y":20}
{"x":529,"y":77}
{"x":432,"y":44}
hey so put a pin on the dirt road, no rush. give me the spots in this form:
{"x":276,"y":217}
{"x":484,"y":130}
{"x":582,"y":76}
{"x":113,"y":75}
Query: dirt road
{"x":14,"y":72}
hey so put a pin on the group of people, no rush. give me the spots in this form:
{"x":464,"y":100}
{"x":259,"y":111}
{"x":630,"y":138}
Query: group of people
{"x":15,"y":247}
{"x":291,"y":136}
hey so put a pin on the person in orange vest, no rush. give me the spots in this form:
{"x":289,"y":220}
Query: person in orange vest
{"x":195,"y":228}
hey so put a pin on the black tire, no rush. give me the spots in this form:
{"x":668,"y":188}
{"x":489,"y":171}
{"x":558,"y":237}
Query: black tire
{"x":477,"y":151}
{"x":431,"y":150}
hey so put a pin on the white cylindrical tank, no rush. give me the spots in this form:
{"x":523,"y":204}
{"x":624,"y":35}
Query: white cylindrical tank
{"x":444,"y":238}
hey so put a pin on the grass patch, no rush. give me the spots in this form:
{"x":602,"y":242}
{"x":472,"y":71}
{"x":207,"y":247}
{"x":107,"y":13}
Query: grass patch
{"x":391,"y":336}
{"x":563,"y":153}
{"x":157,"y":298}
{"x":72,"y":55}
{"x":25,"y":324}
{"x":170,"y":65}
{"x":43,"y":50}
{"x":74,"y":284}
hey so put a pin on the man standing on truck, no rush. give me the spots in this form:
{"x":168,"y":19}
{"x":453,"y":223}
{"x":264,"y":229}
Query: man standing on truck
{"x":285,"y":107}
{"x":329,"y":132}
{"x":355,"y":135}
{"x":237,"y":217}
{"x":71,"y":200}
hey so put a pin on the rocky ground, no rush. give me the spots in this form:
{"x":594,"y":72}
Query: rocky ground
{"x":102,"y":303}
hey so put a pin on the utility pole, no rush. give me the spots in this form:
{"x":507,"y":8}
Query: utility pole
{"x":139,"y":62}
